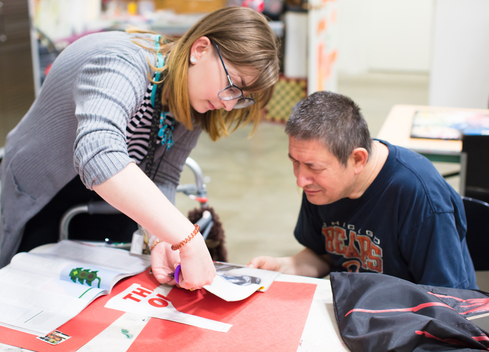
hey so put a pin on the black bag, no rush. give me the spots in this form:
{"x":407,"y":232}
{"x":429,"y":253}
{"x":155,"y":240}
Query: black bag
{"x":377,"y":312}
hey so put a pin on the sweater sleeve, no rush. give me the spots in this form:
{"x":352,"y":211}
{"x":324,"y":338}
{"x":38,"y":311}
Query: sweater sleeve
{"x":108,"y":90}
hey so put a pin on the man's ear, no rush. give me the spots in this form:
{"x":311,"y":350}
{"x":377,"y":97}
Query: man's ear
{"x":359,"y":158}
{"x":200,"y":47}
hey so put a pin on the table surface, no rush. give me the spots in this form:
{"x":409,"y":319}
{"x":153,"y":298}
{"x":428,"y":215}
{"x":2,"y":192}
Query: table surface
{"x":397,"y":128}
{"x":320,"y":331}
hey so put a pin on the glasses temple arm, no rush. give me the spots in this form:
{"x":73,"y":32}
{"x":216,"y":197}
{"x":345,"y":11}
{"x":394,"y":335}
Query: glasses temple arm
{"x":222,"y":61}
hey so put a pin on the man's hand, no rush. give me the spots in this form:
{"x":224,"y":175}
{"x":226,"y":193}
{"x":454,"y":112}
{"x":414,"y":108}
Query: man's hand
{"x":265,"y":263}
{"x":305,"y":263}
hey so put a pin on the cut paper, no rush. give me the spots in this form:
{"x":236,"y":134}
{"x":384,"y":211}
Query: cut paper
{"x":229,"y":291}
{"x":153,"y":303}
{"x":236,"y":282}
{"x":54,"y":338}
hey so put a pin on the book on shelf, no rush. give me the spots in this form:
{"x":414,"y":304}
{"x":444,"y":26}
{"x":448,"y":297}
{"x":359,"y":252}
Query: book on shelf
{"x":40,"y":291}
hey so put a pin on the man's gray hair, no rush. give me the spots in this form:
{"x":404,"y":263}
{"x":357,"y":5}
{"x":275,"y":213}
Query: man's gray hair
{"x":333,"y":119}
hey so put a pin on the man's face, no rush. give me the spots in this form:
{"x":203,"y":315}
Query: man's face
{"x":319,"y":173}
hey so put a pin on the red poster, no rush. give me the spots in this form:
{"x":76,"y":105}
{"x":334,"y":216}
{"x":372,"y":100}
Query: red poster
{"x":271,"y":320}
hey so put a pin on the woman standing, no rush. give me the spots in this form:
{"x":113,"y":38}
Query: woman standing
{"x":118,"y":114}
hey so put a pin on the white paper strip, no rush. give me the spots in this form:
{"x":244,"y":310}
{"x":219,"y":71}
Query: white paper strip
{"x":119,"y":335}
{"x":140,"y":300}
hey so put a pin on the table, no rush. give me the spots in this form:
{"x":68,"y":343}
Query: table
{"x":320,"y":331}
{"x":397,"y":127}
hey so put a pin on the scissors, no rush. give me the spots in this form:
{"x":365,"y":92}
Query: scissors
{"x":176,"y":274}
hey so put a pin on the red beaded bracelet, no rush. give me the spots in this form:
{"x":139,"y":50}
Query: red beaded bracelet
{"x":185,"y":241}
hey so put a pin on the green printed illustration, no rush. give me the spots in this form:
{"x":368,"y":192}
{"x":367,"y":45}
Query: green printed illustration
{"x":84,"y":275}
{"x":126,"y":332}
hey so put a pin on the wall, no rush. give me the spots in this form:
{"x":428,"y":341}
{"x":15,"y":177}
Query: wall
{"x":384,"y":35}
{"x":16,"y":82}
{"x":460,"y":67}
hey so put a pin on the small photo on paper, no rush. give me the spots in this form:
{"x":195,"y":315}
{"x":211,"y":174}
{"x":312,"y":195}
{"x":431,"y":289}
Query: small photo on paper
{"x":54,"y":338}
{"x":223,"y":270}
{"x":236,"y":282}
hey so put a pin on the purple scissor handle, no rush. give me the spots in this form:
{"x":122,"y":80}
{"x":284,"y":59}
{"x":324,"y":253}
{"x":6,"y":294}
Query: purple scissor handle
{"x":176,"y":275}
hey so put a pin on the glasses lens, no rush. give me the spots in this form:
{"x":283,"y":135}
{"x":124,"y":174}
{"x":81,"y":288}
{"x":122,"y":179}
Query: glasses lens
{"x":244,"y":103}
{"x":230,"y":93}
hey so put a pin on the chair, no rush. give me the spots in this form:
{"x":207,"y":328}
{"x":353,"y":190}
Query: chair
{"x":210,"y":225}
{"x":477,"y":213}
{"x":204,"y":216}
{"x":195,"y":191}
{"x":476,"y":148}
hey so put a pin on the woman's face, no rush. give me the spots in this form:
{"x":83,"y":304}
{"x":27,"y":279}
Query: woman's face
{"x":206,"y":78}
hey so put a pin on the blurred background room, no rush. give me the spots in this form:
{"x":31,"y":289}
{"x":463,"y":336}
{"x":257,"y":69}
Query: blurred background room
{"x":381,"y":53}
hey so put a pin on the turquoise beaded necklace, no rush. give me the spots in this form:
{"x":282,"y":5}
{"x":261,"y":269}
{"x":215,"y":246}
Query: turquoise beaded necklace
{"x":166,"y":122}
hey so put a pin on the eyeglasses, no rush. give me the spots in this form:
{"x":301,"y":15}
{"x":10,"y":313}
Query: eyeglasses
{"x":232,"y":91}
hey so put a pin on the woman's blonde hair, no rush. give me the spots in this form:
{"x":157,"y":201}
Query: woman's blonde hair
{"x":246,"y":40}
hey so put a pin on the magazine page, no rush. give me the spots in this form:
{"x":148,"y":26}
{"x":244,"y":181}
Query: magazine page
{"x":83,"y":264}
{"x":236,"y":282}
{"x":39,"y":304}
{"x":76,"y":272}
{"x":41,"y":291}
{"x":114,"y":258}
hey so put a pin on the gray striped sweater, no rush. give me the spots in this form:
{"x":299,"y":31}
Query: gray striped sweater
{"x":77,"y":125}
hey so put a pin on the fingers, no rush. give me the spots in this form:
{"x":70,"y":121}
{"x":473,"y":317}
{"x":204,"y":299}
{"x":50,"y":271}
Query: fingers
{"x":162,"y":277}
{"x":265,"y":263}
{"x":191,"y":285}
{"x":188,"y":279}
{"x":257,"y":262}
{"x":253,"y":263}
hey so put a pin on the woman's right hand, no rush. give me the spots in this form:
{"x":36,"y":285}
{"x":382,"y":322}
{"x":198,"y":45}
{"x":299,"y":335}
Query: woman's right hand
{"x":163,"y":263}
{"x":197,"y":268}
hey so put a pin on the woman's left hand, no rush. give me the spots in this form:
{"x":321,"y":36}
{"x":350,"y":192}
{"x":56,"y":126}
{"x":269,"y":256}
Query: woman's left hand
{"x":163,"y":263}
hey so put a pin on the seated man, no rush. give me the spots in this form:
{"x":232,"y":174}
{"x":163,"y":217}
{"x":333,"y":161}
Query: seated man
{"x":369,"y":206}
